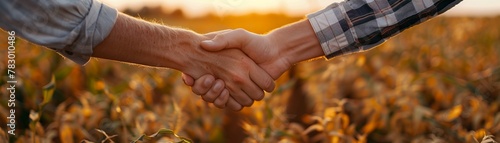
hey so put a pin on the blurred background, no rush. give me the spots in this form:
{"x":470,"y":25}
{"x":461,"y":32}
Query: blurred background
{"x":436,"y":82}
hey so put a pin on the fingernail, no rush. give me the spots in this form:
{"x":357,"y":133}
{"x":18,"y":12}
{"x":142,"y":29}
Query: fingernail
{"x":218,"y":86}
{"x":209,"y":82}
{"x":208,"y":41}
{"x":184,"y":80}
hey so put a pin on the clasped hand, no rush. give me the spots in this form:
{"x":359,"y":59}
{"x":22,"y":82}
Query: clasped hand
{"x":262,"y":49}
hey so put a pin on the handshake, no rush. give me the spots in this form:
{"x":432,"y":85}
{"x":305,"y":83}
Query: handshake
{"x":230,"y":68}
{"x":242,"y":65}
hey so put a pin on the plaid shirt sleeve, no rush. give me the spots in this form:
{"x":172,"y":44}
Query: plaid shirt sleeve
{"x":358,"y":25}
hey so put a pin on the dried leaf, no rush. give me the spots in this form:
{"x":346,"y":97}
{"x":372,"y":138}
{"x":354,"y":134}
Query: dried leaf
{"x":66,"y":134}
{"x":108,"y":138}
{"x":488,"y":139}
{"x":161,"y":133}
{"x":454,"y":113}
{"x":34,"y":116}
{"x":368,"y":128}
{"x":315,"y":127}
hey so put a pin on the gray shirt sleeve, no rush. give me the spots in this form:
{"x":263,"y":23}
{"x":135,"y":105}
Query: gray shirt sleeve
{"x":70,"y":27}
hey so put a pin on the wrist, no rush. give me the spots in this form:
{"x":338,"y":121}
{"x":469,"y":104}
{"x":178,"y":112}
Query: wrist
{"x":180,"y":50}
{"x":297,"y":42}
{"x":140,"y":42}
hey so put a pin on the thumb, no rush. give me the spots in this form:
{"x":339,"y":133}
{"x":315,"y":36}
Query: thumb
{"x":188,"y":80}
{"x":232,"y":39}
{"x":213,"y":45}
{"x":212,"y":35}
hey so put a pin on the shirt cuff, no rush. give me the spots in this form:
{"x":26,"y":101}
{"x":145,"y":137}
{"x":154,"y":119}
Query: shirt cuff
{"x":95,"y":28}
{"x":331,"y":28}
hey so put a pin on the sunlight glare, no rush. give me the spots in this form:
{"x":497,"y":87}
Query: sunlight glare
{"x":199,"y":8}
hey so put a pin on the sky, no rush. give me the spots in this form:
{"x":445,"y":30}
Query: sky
{"x":199,"y":8}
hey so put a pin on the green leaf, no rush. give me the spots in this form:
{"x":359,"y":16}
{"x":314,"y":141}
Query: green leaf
{"x":48,"y":91}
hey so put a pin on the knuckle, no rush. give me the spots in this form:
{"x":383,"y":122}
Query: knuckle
{"x":220,"y":107}
{"x":208,"y":98}
{"x":269,"y":84}
{"x":259,"y":96}
{"x":240,"y":31}
{"x":246,"y":62}
{"x":196,"y":91}
{"x":238,"y":108}
{"x":199,"y":90}
{"x":219,"y":104}
{"x":217,"y":87}
{"x":220,"y":36}
{"x":203,"y":86}
{"x":248,"y":103}
{"x":237,"y":79}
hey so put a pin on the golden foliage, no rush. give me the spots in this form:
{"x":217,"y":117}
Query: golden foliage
{"x":437,"y":82}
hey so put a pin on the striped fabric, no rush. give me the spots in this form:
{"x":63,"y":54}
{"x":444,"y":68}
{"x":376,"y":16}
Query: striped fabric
{"x":358,"y":25}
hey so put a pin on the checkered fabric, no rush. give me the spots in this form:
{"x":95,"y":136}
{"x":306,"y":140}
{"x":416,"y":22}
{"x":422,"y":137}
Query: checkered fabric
{"x":358,"y":25}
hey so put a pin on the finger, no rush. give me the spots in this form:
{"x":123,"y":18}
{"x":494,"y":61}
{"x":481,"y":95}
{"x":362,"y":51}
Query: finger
{"x":203,"y":84}
{"x":240,"y":96}
{"x":233,"y":105}
{"x":233,"y":39}
{"x":253,"y":91}
{"x":211,"y":35}
{"x":214,"y":92}
{"x":221,"y":101}
{"x":262,"y":79}
{"x":188,"y":80}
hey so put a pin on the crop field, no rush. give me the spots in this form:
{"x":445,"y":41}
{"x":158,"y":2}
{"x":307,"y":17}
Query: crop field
{"x":436,"y":82}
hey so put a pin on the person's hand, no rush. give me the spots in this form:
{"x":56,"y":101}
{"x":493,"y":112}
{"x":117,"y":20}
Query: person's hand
{"x":275,"y":52}
{"x":212,"y":90}
{"x":261,"y":48}
{"x":244,"y":79}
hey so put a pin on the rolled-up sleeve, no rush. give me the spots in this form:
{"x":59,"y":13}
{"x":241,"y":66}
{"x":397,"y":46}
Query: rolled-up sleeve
{"x":70,"y":27}
{"x":358,"y":25}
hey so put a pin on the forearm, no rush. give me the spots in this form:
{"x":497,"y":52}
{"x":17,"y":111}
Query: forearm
{"x":140,"y":42}
{"x":297,"y":42}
